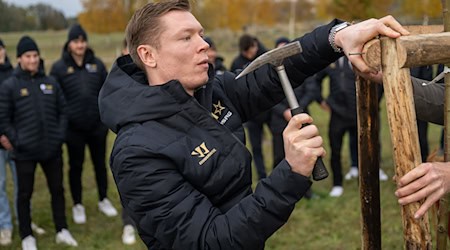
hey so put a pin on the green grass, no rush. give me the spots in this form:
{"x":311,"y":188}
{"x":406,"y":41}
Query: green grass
{"x":323,"y":223}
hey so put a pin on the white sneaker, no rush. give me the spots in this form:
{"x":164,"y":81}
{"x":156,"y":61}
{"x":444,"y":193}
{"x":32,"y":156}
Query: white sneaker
{"x":128,"y":237}
{"x":5,"y":237}
{"x":29,"y":243}
{"x":383,"y":175}
{"x":79,"y":216}
{"x":107,"y":208}
{"x":37,"y":229}
{"x":352,"y":173}
{"x":336,"y":191}
{"x":64,"y":237}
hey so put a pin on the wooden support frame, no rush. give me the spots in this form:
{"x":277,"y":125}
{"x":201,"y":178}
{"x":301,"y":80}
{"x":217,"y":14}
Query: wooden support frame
{"x":394,"y":56}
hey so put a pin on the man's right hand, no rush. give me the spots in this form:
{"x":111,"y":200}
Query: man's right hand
{"x":6,"y":143}
{"x":302,"y":144}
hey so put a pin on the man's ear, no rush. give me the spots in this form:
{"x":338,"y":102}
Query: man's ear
{"x":147,"y":55}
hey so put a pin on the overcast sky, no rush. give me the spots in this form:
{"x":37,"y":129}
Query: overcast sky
{"x":70,"y":8}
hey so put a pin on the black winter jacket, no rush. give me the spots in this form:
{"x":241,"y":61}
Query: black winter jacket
{"x":342,"y":97}
{"x":180,"y":162}
{"x":6,"y":70}
{"x":81,"y":85}
{"x":32,"y":115}
{"x":429,"y":101}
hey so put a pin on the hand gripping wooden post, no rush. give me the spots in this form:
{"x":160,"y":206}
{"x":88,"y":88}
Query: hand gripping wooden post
{"x":394,"y":57}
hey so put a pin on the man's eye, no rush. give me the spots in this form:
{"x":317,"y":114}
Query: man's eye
{"x":187,"y":38}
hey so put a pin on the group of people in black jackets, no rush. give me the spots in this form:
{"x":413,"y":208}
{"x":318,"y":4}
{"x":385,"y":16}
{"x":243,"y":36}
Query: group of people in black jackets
{"x":38,"y":113}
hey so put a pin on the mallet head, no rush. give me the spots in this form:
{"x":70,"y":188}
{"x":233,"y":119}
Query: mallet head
{"x":275,"y":57}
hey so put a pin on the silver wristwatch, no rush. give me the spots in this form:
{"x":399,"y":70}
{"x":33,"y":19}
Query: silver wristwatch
{"x":332,"y":35}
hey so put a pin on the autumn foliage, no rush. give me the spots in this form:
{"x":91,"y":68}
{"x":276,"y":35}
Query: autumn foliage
{"x":104,"y":16}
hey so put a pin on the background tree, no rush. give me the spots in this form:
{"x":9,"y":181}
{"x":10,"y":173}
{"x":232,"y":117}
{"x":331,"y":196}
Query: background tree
{"x":47,"y":17}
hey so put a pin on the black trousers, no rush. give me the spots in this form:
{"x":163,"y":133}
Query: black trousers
{"x":422,"y":128}
{"x":53,"y":170}
{"x":337,"y":128}
{"x":126,"y":219}
{"x":255,"y":134}
{"x":76,"y":143}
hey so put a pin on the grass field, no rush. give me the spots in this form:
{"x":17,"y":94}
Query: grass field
{"x":322,"y":223}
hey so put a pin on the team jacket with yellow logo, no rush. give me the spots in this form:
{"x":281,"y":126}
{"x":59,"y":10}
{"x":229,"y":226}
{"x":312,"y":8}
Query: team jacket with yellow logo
{"x":32,"y":115}
{"x":180,"y":162}
{"x":81,"y":85}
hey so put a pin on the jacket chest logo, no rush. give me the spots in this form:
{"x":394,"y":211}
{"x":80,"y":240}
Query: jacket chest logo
{"x":24,"y":92}
{"x":91,"y":68}
{"x":217,"y":113}
{"x":203,"y":153}
{"x":70,"y":70}
{"x":47,"y":89}
{"x":218,"y":108}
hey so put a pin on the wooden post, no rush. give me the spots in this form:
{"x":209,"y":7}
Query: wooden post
{"x":369,"y":163}
{"x":404,"y":136}
{"x":442,"y":227}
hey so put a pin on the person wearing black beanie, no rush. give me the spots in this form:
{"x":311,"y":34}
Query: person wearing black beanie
{"x":32,"y":108}
{"x":26,"y":44}
{"x":76,"y":32}
{"x":81,"y":76}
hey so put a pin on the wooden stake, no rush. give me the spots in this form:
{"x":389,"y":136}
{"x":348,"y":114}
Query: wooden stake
{"x":404,"y":136}
{"x":369,"y":163}
{"x":442,"y":227}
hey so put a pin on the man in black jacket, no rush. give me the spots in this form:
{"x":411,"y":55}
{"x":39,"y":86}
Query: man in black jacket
{"x":179,"y":160}
{"x":6,"y":225}
{"x":81,"y":76}
{"x":33,"y":123}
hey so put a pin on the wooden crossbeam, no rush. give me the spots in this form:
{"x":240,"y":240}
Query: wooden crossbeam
{"x":413,"y":50}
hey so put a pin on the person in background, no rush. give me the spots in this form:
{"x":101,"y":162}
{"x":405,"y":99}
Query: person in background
{"x":341,"y":102}
{"x":183,"y":173}
{"x":215,"y":59}
{"x":6,"y":225}
{"x":81,"y":75}
{"x":33,"y":123}
{"x":424,"y":73}
{"x":249,"y":49}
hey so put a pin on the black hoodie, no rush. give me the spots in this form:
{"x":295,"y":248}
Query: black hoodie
{"x":81,"y":85}
{"x":32,"y":114}
{"x":180,"y":162}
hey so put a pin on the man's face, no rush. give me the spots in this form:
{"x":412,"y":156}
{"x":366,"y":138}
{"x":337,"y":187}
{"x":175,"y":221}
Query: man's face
{"x":250,"y":54}
{"x":78,"y":46}
{"x":29,"y":61}
{"x":182,"y":54}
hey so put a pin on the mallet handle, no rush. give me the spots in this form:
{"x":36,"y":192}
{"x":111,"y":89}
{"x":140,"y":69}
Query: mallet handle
{"x":320,"y":171}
